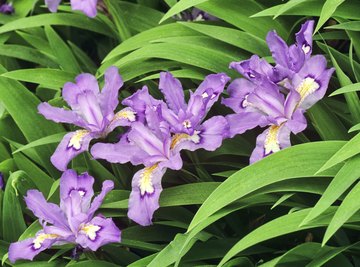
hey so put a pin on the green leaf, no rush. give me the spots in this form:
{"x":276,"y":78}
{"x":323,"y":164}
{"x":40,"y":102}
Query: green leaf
{"x":181,"y":6}
{"x":354,"y":87}
{"x":50,"y":78}
{"x":327,"y":11}
{"x":288,"y":5}
{"x":347,"y":175}
{"x":347,"y":209}
{"x":13,"y":220}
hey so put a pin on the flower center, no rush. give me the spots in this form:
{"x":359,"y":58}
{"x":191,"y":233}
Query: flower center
{"x":271,"y":143}
{"x":91,"y":230}
{"x":307,"y":87}
{"x":76,"y":140}
{"x":145,"y":182}
{"x":37,"y":243}
{"x":125,"y":114}
{"x":177,"y":138}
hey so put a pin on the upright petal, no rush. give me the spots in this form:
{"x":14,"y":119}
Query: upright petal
{"x":45,"y":211}
{"x":145,"y":194}
{"x":211,"y":88}
{"x":82,"y":184}
{"x":90,"y":110}
{"x":27,"y":249}
{"x":270,"y":141}
{"x":72,"y":144}
{"x":304,"y":37}
{"x":173,"y":91}
{"x":278,"y":48}
{"x":60,"y":115}
{"x":52,"y":4}
{"x":98,"y":232}
{"x":107,"y":186}
{"x":88,"y":7}
{"x":109,"y":94}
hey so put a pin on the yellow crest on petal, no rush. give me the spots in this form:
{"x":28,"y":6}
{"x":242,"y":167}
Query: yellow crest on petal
{"x":77,"y":138}
{"x":271,"y":143}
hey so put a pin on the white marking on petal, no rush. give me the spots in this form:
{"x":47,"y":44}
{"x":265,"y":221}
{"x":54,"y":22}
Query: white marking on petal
{"x":195,"y":137}
{"x":178,"y":138}
{"x":271,"y":143}
{"x":145,"y":182}
{"x":76,"y":140}
{"x":204,"y":95}
{"x":37,"y":243}
{"x":90,"y":230}
{"x":306,"y":48}
{"x":187,"y":124}
{"x":245,"y":102}
{"x":81,"y":193}
{"x":307,"y":87}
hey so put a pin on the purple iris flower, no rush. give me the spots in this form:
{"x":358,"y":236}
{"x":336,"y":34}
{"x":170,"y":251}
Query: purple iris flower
{"x":92,"y":110}
{"x":165,"y":130}
{"x":6,"y":8}
{"x":73,"y":222}
{"x":277,"y":96}
{"x":88,"y":7}
{"x":196,"y":14}
{"x":1,"y":181}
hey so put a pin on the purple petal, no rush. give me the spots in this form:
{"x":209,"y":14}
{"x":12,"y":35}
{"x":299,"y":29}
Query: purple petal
{"x":88,"y":7}
{"x":109,"y":94}
{"x":72,"y":144}
{"x":7,"y":9}
{"x":173,"y":91}
{"x":90,"y":110}
{"x":52,"y":4}
{"x":278,"y":48}
{"x":121,"y":152}
{"x":81,"y":184}
{"x":60,"y":115}
{"x":45,"y":211}
{"x":240,"y":123}
{"x":270,"y":141}
{"x":27,"y":249}
{"x":212,"y":87}
{"x":298,"y":122}
{"x":98,"y":232}
{"x":83,"y":83}
{"x":107,"y":186}
{"x":123,"y":117}
{"x":304,"y":37}
{"x":145,"y":194}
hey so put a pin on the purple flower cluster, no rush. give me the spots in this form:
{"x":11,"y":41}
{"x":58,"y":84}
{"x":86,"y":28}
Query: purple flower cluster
{"x":157,"y":131}
{"x":88,"y":7}
{"x":162,"y":130}
{"x":277,"y":97}
{"x":6,"y":8}
{"x":73,"y":222}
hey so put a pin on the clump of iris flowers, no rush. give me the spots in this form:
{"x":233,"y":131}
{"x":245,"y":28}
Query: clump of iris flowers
{"x":277,"y":97}
{"x":163,"y":130}
{"x":74,"y":221}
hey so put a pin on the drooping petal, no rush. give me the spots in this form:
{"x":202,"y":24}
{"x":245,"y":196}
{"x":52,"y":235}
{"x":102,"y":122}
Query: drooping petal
{"x":60,"y":115}
{"x":82,"y":184}
{"x":109,"y":94}
{"x":172,"y":91}
{"x":211,"y":88}
{"x":52,"y":4}
{"x":123,"y":117}
{"x":27,"y":249}
{"x":72,"y":144}
{"x":270,"y":141}
{"x":45,"y":211}
{"x":242,"y":122}
{"x":298,"y":122}
{"x":145,"y":194}
{"x":98,"y":232}
{"x":304,"y":37}
{"x":107,"y":186}
{"x":121,"y":152}
{"x":88,"y":7}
